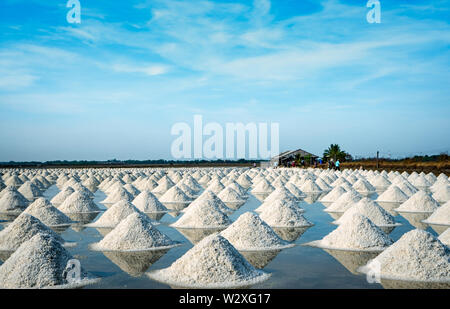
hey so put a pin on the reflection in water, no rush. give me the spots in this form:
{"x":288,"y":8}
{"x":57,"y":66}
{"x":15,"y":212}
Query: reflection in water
{"x":335,"y":215}
{"x":352,"y":260}
{"x":156,"y":216}
{"x":4,"y":216}
{"x":60,"y":229}
{"x":290,"y":233}
{"x":311,"y":198}
{"x":260,"y":259}
{"x":175,"y":208}
{"x":135,"y":263}
{"x":4,"y":255}
{"x":81,"y":219}
{"x":415,"y":219}
{"x":398,"y":284}
{"x":234,"y":205}
{"x":104,"y":230}
{"x":439,"y":228}
{"x":389,"y":207}
{"x":261,"y":196}
{"x":196,"y":235}
{"x":387,"y":229}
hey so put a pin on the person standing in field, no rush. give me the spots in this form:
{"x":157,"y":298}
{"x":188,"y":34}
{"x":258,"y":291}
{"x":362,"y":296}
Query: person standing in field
{"x":338,"y":165}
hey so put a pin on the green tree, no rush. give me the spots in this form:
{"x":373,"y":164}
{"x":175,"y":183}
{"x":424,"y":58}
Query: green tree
{"x":335,"y":152}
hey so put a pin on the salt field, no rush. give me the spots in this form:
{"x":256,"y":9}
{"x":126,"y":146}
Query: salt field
{"x":224,"y":227}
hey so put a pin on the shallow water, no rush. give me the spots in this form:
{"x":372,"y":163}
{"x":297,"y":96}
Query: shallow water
{"x":292,"y":268}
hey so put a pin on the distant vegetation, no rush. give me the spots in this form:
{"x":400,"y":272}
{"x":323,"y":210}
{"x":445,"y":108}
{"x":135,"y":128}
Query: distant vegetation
{"x":115,"y":162}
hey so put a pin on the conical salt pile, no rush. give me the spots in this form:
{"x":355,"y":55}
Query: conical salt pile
{"x":250,"y":233}
{"x":43,"y":210}
{"x":280,"y":193}
{"x":440,"y":216}
{"x":215,"y":186}
{"x":416,"y":256}
{"x":202,"y":214}
{"x":62,"y":195}
{"x":131,"y":189}
{"x":30,"y":191}
{"x":175,"y":195}
{"x":420,"y":202}
{"x":263,"y":187}
{"x":12,"y":201}
{"x":209,"y":195}
{"x":164,"y":184}
{"x":114,"y":215}
{"x":357,"y":233}
{"x":284,"y":215}
{"x":118,"y":195}
{"x":294,"y":190}
{"x":363,"y":186}
{"x":273,"y":203}
{"x":134,"y":233}
{"x":371,"y":210}
{"x":78,"y":203}
{"x":445,"y":237}
{"x":41,"y":262}
{"x":393,"y":195}
{"x":229,"y":195}
{"x":344,"y":202}
{"x":309,"y":186}
{"x":333,"y":195}
{"x":212,"y":263}
{"x":22,"y":229}
{"x":148,"y":203}
{"x":442,"y":194}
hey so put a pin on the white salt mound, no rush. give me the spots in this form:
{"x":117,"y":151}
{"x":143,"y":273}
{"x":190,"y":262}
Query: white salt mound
{"x":212,"y":263}
{"x":62,"y":195}
{"x":442,"y":194}
{"x":118,"y":195}
{"x":22,"y":229}
{"x":30,"y":191}
{"x":393,"y":195}
{"x":39,"y":262}
{"x":277,"y":203}
{"x":12,"y":201}
{"x":250,"y":233}
{"x":445,"y":237}
{"x":135,"y":233}
{"x":333,"y":195}
{"x":263,"y":187}
{"x":357,"y":233}
{"x":78,"y":202}
{"x":148,"y":202}
{"x":284,"y":215}
{"x":175,"y":195}
{"x":416,"y":256}
{"x":209,"y":195}
{"x":344,"y":202}
{"x":420,"y":202}
{"x":43,"y":210}
{"x":440,"y":216}
{"x":202,"y":214}
{"x":115,"y":214}
{"x":371,"y":210}
{"x":229,"y":195}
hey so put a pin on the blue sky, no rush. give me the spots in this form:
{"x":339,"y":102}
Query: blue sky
{"x":113,"y":86}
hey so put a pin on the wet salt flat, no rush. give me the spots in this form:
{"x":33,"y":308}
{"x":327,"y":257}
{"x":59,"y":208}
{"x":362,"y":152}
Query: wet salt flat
{"x":297,"y":267}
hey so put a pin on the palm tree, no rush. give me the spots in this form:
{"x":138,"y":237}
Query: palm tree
{"x":335,"y":152}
